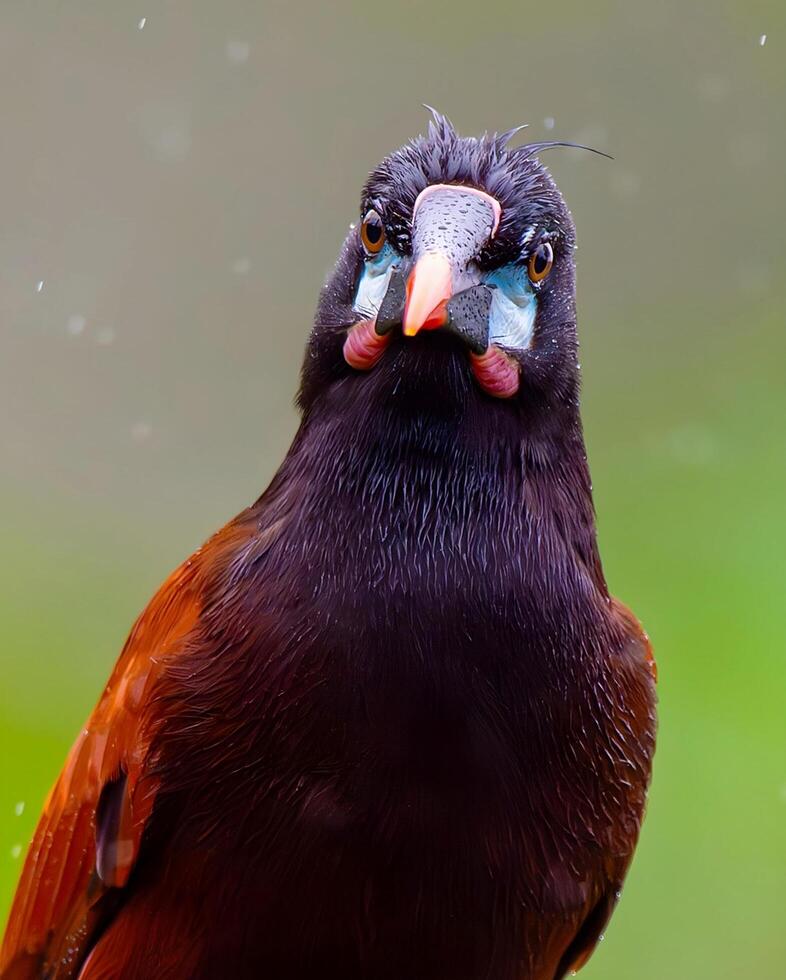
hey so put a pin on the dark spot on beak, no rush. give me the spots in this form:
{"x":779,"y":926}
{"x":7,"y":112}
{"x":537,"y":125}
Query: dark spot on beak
{"x":468,"y":313}
{"x":391,"y":311}
{"x":468,"y":317}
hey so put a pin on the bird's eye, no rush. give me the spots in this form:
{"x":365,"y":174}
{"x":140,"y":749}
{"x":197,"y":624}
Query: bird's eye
{"x":372,"y":232}
{"x":540,"y":262}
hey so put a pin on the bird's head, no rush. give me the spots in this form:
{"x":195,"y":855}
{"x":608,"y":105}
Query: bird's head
{"x":457,"y":280}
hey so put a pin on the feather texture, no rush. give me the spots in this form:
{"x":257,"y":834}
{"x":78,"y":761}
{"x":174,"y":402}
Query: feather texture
{"x":389,"y":722}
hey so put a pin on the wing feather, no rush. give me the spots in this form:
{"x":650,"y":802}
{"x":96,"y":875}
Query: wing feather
{"x":66,"y":875}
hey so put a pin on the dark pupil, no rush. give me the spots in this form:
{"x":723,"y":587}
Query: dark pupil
{"x":541,"y":260}
{"x":373,"y":230}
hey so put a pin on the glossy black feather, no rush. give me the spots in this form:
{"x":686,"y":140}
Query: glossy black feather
{"x":408,"y":733}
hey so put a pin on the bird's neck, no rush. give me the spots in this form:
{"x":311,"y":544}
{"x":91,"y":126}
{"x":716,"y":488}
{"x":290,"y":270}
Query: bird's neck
{"x":476,"y":485}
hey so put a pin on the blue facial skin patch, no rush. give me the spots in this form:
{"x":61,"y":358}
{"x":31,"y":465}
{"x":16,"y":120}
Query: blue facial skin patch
{"x":513,"y":302}
{"x":374,"y":281}
{"x":513,"y":307}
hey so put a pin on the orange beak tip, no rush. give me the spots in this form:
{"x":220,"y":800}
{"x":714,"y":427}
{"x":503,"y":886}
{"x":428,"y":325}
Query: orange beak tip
{"x":428,"y":290}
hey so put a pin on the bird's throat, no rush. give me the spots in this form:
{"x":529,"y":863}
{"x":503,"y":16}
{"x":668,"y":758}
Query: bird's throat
{"x":429,"y":496}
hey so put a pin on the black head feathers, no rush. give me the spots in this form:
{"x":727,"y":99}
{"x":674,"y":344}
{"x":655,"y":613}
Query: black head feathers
{"x":513,"y":175}
{"x":532,"y":212}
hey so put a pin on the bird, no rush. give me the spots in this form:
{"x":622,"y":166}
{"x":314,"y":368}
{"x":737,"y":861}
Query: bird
{"x":388,"y":723}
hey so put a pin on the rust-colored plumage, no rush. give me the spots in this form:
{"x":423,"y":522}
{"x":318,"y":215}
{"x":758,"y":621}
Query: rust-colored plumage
{"x":61,"y":886}
{"x":388,"y":722}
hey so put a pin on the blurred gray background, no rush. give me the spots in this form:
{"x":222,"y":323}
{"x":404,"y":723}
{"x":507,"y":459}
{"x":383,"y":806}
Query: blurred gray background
{"x":176,"y":180}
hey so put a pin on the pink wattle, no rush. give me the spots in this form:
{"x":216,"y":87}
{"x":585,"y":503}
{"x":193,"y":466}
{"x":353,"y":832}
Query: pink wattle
{"x":364,"y":346}
{"x":496,"y":372}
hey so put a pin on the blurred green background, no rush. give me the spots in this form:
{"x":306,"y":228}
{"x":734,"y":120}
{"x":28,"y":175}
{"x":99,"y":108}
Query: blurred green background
{"x":180,"y":186}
